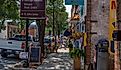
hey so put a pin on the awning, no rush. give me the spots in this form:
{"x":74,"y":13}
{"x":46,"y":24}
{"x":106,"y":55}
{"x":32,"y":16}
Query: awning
{"x":74,"y":2}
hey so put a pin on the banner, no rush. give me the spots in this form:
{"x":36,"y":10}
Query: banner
{"x":112,"y":18}
{"x":112,"y":23}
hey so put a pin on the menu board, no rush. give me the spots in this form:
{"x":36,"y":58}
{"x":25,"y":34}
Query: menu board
{"x":34,"y":56}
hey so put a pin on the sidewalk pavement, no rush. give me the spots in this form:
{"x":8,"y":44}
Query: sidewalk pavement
{"x":56,"y":61}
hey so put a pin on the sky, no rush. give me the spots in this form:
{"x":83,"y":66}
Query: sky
{"x":68,"y":9}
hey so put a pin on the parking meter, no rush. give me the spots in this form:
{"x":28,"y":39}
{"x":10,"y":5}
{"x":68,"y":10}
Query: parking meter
{"x":103,"y":45}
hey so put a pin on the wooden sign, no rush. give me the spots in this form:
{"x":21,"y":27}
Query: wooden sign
{"x":32,"y":9}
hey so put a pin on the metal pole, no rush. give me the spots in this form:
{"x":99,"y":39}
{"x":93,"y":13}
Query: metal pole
{"x":88,"y":31}
{"x":27,"y":48}
{"x":53,"y":19}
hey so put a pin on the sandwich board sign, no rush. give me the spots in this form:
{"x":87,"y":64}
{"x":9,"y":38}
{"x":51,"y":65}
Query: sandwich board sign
{"x":34,"y":56}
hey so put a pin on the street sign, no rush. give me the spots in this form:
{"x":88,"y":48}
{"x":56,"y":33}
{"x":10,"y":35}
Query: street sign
{"x":74,"y":2}
{"x":32,"y":9}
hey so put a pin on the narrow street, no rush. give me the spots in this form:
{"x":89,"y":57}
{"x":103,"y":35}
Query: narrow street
{"x":4,"y":62}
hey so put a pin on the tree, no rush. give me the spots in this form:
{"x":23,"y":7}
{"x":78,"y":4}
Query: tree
{"x":60,"y":15}
{"x":8,"y":10}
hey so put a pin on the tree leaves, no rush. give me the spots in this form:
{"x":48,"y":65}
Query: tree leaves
{"x":9,"y":9}
{"x":60,"y":14}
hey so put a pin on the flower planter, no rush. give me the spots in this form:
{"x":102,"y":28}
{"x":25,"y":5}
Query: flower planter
{"x":77,"y":63}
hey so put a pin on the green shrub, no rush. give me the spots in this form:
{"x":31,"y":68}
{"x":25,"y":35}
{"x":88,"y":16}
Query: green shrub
{"x":76,"y":52}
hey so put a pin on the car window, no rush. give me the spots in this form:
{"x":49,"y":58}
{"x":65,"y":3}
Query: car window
{"x":46,"y":40}
{"x":22,"y":38}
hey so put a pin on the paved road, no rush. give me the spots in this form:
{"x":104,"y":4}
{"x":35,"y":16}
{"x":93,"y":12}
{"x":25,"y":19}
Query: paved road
{"x":7,"y":61}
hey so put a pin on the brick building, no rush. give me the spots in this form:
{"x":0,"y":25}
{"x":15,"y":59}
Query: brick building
{"x":100,"y":24}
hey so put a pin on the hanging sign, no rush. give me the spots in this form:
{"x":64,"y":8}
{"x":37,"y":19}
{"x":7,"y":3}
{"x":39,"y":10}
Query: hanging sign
{"x":112,"y":17}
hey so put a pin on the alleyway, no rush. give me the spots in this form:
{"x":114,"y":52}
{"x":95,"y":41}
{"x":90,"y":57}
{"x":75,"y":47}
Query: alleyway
{"x":57,"y":61}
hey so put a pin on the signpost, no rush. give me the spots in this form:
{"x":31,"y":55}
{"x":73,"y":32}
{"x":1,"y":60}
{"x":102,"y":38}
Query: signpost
{"x":32,"y":9}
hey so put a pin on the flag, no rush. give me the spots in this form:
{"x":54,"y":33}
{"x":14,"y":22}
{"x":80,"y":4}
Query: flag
{"x":112,"y":18}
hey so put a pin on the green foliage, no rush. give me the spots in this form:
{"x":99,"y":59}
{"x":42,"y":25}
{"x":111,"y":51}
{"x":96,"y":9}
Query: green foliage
{"x":70,"y":45}
{"x":9,"y":9}
{"x":22,"y":24}
{"x":76,"y":52}
{"x":60,"y":15}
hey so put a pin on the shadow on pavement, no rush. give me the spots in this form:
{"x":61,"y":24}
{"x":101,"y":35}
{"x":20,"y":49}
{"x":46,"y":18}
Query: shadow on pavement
{"x":57,"y":61}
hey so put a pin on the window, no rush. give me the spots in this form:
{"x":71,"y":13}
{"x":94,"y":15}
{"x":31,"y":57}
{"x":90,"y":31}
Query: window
{"x":22,"y":38}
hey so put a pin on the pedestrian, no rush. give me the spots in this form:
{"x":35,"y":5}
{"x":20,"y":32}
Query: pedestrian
{"x":90,"y":67}
{"x":53,"y":45}
{"x":64,"y":43}
{"x":61,"y":42}
{"x":49,"y":48}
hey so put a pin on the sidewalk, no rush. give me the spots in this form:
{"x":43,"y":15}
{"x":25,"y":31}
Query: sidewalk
{"x":55,"y":61}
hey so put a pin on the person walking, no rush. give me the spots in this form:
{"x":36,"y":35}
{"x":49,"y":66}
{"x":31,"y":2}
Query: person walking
{"x":53,"y":45}
{"x":90,"y":67}
{"x":61,"y":42}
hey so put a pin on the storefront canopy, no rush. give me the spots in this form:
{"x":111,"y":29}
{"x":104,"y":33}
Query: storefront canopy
{"x":74,"y":2}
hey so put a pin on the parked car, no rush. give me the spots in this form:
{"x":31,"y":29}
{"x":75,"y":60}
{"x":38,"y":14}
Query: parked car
{"x":13,"y":45}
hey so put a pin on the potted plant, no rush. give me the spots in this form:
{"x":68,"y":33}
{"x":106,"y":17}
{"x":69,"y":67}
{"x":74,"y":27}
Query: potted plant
{"x":76,"y":54}
{"x":70,"y":45}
